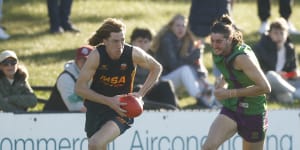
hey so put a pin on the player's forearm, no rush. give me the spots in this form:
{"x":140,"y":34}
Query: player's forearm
{"x":152,"y":78}
{"x":249,"y":91}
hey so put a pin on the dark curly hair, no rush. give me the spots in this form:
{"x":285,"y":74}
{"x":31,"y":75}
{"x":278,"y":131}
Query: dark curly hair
{"x":225,"y":26}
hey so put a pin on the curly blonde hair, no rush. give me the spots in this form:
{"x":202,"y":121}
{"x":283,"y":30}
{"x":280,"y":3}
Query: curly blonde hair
{"x":103,"y":32}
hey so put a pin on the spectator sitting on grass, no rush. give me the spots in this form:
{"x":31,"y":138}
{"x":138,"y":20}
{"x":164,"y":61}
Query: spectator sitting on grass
{"x":182,"y":60}
{"x":63,"y":97}
{"x":163,"y":91}
{"x":277,"y":56}
{"x":16,"y":95}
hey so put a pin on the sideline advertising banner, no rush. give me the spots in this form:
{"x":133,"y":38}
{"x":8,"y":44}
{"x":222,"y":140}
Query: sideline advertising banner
{"x":169,"y":130}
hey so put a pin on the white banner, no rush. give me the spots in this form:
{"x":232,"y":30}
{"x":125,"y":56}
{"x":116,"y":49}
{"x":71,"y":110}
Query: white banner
{"x":174,"y":130}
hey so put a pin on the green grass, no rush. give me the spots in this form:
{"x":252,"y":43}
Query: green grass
{"x":45,"y":54}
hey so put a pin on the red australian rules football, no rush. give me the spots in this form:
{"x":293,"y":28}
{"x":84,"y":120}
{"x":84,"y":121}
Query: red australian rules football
{"x":133,"y":107}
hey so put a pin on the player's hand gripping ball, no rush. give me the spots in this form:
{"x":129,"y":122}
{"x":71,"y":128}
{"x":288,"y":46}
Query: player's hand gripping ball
{"x":134,"y":106}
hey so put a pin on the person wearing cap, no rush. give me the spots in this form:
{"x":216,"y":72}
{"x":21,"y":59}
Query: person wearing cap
{"x":16,"y":95}
{"x":63,"y":98}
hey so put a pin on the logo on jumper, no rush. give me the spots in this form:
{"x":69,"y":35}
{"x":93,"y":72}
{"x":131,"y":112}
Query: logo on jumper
{"x":123,"y":67}
{"x":103,"y":67}
{"x":114,"y":81}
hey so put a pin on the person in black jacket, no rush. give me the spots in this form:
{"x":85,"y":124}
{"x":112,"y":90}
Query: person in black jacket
{"x":277,"y":56}
{"x":162,"y":95}
{"x":203,"y":13}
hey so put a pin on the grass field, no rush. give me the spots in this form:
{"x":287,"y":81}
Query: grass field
{"x":45,"y":54}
